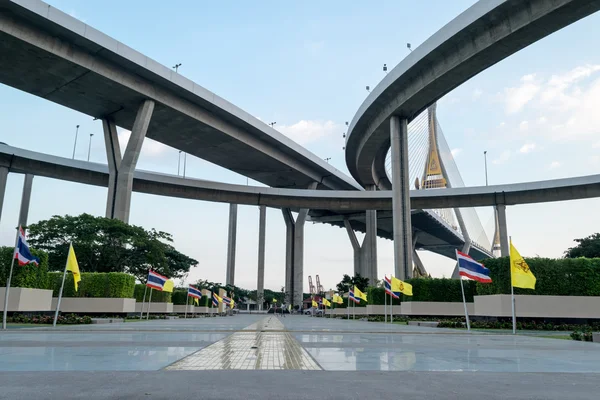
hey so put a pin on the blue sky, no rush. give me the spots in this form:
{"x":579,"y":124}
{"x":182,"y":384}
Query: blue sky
{"x":305,"y":65}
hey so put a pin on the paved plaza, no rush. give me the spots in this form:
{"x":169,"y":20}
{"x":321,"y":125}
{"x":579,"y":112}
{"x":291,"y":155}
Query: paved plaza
{"x":293,"y":357}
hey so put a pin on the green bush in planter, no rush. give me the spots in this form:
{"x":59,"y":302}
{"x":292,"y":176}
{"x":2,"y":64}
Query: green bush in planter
{"x":376,"y":297}
{"x":157,"y":295}
{"x":27,"y":276}
{"x":442,"y":290}
{"x":94,"y":284}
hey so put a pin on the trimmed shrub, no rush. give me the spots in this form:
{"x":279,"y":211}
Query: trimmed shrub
{"x":94,"y":284}
{"x":555,"y":277}
{"x":27,"y":276}
{"x":157,"y":295}
{"x":443,"y":290}
{"x":179,"y":297}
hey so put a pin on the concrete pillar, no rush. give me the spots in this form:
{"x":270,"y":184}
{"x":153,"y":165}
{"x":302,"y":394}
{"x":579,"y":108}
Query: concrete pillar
{"x":231,"y":239}
{"x":401,"y":198}
{"x":124,"y":186}
{"x":3,"y":180}
{"x":289,"y":252}
{"x":113,"y":158}
{"x":370,"y":244}
{"x":504,"y":249}
{"x":260,"y":285}
{"x":25,"y":200}
{"x":356,"y":247}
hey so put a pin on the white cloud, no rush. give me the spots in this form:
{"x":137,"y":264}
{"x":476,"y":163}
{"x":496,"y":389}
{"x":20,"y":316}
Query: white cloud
{"x":306,"y":131}
{"x":524,"y":126}
{"x":502,"y":124}
{"x":554,"y":165}
{"x":527,"y":148}
{"x":542,"y":120}
{"x":596,"y":145}
{"x":477,"y":93}
{"x":517,"y":97}
{"x":504,"y":156}
{"x":150,"y":147}
{"x":455,"y":152}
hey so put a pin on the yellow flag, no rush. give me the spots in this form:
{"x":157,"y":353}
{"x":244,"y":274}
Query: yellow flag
{"x":73,"y":266}
{"x":401,"y":286}
{"x":274,"y":300}
{"x":520,"y":273}
{"x":168,"y":286}
{"x":359,"y":295}
{"x":231,"y":303}
{"x":326,"y":303}
{"x":338,"y":299}
{"x":197,"y":301}
{"x":314,"y":304}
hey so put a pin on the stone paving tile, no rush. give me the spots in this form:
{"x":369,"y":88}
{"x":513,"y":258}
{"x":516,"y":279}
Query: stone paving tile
{"x":262,"y":345}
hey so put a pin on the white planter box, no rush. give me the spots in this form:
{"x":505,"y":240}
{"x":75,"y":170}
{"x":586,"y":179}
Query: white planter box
{"x":498,"y":305}
{"x":180,"y":309}
{"x":444,"y":309}
{"x":155,"y":308}
{"x":27,"y":300}
{"x":379,"y":309}
{"x":94,"y":305}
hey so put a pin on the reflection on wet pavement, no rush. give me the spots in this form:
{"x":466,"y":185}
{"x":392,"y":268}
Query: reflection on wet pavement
{"x":262,"y":345}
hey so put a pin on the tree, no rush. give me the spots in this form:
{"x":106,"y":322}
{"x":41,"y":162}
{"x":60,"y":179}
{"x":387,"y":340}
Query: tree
{"x":347,"y":283}
{"x":108,"y":245}
{"x":588,"y":247}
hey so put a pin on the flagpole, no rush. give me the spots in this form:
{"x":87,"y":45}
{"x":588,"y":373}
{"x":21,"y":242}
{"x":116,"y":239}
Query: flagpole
{"x":512,"y":294}
{"x":391,"y":307}
{"x":12,"y":264}
{"x":348,"y":307}
{"x":149,"y":302}
{"x":187,"y":300}
{"x":462,"y":289}
{"x":385,"y":298}
{"x":62,"y":285}
{"x":354,"y":310}
{"x":143,"y":301}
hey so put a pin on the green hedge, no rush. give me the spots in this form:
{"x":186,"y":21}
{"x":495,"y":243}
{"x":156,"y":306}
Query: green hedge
{"x":27,"y":276}
{"x":556,"y":277}
{"x":94,"y":284}
{"x":376,"y":296}
{"x":157,"y":295}
{"x":179,"y":296}
{"x":444,"y":290}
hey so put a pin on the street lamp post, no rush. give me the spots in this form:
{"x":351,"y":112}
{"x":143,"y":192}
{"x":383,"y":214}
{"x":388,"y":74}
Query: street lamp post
{"x":75,"y":144}
{"x":485,"y":162}
{"x":272,"y":124}
{"x":176,"y":67}
{"x":179,"y":162}
{"x":90,"y":146}
{"x":184,"y":163}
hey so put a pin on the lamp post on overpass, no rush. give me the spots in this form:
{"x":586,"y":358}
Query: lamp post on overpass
{"x":176,"y":67}
{"x":485,"y":164}
{"x":179,"y":162}
{"x":90,"y":146}
{"x":272,"y":124}
{"x":75,"y":144}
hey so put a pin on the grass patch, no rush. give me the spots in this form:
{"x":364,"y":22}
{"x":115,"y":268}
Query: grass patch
{"x":562,"y":337}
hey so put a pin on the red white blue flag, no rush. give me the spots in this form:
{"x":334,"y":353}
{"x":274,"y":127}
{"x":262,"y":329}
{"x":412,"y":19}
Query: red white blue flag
{"x":194,"y":292}
{"x":351,"y":296}
{"x":156,"y":281}
{"x":388,"y":288}
{"x":472,"y":269}
{"x":22,"y":253}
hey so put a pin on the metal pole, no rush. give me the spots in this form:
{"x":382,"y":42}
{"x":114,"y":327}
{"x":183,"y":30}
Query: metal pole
{"x":75,"y":144}
{"x":485,"y":161}
{"x":143,"y":301}
{"x":149,"y":302}
{"x":12,"y":263}
{"x":462,"y":289}
{"x":348,"y":306}
{"x":90,"y":146}
{"x":187,"y":301}
{"x":184,"y":163}
{"x":62,"y":285}
{"x":512,"y":299}
{"x":178,"y":162}
{"x":385,"y":300}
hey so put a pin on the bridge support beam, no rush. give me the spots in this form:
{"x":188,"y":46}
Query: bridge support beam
{"x":25,"y":200}
{"x":400,"y":198}
{"x":231,"y":243}
{"x":370,"y":244}
{"x":504,"y":247}
{"x":260,"y":284}
{"x":3,"y":180}
{"x":124,"y":173}
{"x":113,"y":157}
{"x":356,"y":246}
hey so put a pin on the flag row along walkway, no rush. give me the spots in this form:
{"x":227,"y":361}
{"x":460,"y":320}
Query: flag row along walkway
{"x":262,"y":345}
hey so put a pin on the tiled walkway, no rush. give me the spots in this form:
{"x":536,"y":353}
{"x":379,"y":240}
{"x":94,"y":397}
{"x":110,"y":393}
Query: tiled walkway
{"x":262,"y":345}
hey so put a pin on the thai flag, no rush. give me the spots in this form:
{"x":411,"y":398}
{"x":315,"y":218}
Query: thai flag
{"x":194,"y":292}
{"x":215,"y":300}
{"x":22,"y":253}
{"x":226,"y":300}
{"x":351,"y":296}
{"x":156,"y":281}
{"x":472,"y":269}
{"x":388,"y":288}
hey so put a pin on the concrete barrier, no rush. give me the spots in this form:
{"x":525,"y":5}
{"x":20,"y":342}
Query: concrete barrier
{"x":97,"y":305}
{"x":430,"y":324}
{"x":498,"y":305}
{"x":442,"y":309}
{"x":155,"y":308}
{"x":596,"y":337}
{"x":180,"y":309}
{"x":27,"y":300}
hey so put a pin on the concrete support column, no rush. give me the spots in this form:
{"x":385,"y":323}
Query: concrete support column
{"x":289,"y":252}
{"x":25,"y":200}
{"x":113,"y":157}
{"x":400,"y":198}
{"x":358,"y":258}
{"x":3,"y":180}
{"x":260,"y":285}
{"x":231,"y":239}
{"x":370,"y":244}
{"x":504,"y":249}
{"x":417,"y":260}
{"x":124,"y":185}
